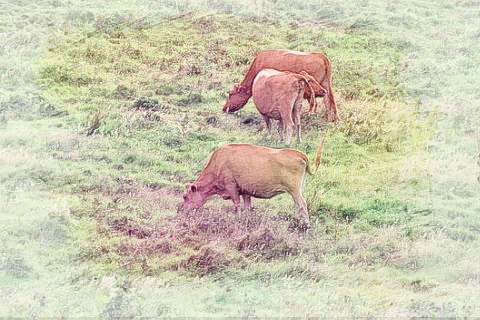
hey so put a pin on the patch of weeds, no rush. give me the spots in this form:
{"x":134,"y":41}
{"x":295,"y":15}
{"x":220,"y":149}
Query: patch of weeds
{"x":14,"y":105}
{"x":212,"y":120}
{"x":420,"y":285}
{"x":192,"y":98}
{"x":93,"y":123}
{"x":66,"y":74}
{"x":167,"y":89}
{"x":130,"y":228}
{"x":190,"y":69}
{"x":209,"y":259}
{"x":51,"y":229}
{"x":386,"y":211}
{"x":15,"y":266}
{"x":361,"y":24}
{"x":458,"y":234}
{"x":387,"y":124}
{"x":172,"y":140}
{"x":145,"y":104}
{"x":313,"y":122}
{"x":117,"y":307}
{"x":123,"y":92}
{"x":249,"y":120}
{"x":204,"y":137}
{"x":339,"y":212}
{"x":268,"y":244}
{"x":49,"y":110}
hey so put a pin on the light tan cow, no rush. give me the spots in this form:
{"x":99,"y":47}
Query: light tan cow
{"x":244,"y":170}
{"x":278,"y":95}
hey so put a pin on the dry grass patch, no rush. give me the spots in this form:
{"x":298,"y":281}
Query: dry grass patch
{"x":140,"y":231}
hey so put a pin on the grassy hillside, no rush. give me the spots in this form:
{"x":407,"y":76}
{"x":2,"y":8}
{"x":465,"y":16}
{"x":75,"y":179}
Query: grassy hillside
{"x":110,"y":112}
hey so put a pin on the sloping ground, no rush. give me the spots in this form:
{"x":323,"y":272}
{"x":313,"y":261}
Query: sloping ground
{"x":150,"y":97}
{"x":126,"y":115}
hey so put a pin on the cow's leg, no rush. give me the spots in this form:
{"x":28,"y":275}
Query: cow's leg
{"x":300,"y":204}
{"x":329,"y":101}
{"x":247,"y":204}
{"x":307,"y":96}
{"x":288,"y":133}
{"x":288,"y":124}
{"x":268,"y":122}
{"x":301,"y":207}
{"x":296,"y":114}
{"x":232,"y":190}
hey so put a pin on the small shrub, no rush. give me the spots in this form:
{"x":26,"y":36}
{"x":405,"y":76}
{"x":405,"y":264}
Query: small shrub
{"x":94,"y":123}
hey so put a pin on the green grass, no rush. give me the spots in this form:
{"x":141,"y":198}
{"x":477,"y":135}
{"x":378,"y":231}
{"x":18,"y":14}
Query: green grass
{"x":108,"y":116}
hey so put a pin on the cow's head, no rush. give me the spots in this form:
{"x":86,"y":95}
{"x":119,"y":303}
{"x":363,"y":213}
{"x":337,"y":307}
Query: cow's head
{"x":193,"y":198}
{"x":237,"y":98}
{"x":319,"y":90}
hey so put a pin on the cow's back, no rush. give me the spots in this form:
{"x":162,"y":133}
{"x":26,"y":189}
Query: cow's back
{"x":272,"y":89}
{"x":260,"y":171}
{"x":313,"y":63}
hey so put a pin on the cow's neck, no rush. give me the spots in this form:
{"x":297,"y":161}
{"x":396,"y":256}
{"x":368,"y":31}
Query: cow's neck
{"x":249,"y":77}
{"x":206,"y":183}
{"x":247,"y":85}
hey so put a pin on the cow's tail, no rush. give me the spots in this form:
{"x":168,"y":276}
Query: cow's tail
{"x":313,"y":102}
{"x":319,"y":154}
{"x":307,"y":163}
{"x":329,"y":101}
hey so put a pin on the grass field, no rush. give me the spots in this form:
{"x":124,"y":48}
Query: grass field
{"x":106,"y":112}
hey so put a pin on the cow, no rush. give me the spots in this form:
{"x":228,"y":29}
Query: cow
{"x":313,"y":63}
{"x":244,"y":170}
{"x":278,"y":95}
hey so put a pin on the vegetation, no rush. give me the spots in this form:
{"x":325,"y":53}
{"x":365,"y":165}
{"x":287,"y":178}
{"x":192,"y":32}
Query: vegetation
{"x":108,"y":113}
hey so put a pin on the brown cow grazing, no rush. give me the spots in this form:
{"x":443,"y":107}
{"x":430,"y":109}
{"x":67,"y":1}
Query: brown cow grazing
{"x":314,"y":63}
{"x":278,"y":95}
{"x":246,"y":170}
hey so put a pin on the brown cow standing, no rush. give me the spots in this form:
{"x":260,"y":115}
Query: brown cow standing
{"x":246,"y":170}
{"x":278,"y":95}
{"x":314,"y":63}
